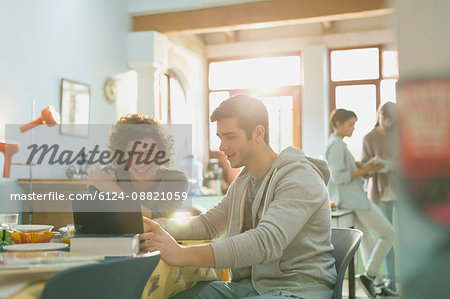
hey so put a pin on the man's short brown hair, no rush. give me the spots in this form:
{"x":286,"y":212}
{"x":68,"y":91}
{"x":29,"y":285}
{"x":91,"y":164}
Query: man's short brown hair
{"x":249,"y":112}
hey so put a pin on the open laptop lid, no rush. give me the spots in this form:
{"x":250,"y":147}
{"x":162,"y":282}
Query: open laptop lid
{"x":107,"y":222}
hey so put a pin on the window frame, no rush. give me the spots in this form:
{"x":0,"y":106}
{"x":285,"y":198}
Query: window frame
{"x":377,"y":82}
{"x":170,"y":74}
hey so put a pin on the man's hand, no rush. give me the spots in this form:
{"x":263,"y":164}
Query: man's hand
{"x":156,"y":238}
{"x":161,"y":221}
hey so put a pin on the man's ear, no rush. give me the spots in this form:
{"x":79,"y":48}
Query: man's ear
{"x":259,"y":133}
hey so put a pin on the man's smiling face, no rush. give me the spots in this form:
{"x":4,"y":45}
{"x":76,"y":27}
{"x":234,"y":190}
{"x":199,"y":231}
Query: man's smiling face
{"x":234,"y":142}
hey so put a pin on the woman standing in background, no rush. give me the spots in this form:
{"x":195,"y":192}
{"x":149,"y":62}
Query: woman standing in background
{"x":381,"y":141}
{"x":345,"y":188}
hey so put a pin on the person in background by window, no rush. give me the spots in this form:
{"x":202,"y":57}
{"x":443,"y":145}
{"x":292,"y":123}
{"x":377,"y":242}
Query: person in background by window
{"x":345,"y":189}
{"x":381,"y":141}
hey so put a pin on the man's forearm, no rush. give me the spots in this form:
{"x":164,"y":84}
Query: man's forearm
{"x":198,"y":256}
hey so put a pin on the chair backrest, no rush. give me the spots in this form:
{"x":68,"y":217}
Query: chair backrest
{"x":345,"y":242}
{"x":124,"y":278}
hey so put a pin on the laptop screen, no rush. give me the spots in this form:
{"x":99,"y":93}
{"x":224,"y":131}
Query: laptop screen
{"x":108,"y":220}
{"x":110,"y":223}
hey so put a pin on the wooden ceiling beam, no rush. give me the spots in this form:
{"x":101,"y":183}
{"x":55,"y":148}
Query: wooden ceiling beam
{"x":259,"y":15}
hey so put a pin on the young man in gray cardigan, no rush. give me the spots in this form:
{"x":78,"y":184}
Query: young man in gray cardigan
{"x":276,"y":214}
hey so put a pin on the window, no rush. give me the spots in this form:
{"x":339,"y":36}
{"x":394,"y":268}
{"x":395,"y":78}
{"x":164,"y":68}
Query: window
{"x":173,"y":105}
{"x":255,"y":73}
{"x":355,"y":64}
{"x":361,"y":80}
{"x":274,"y":80}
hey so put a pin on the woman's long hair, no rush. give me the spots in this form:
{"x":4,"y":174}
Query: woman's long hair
{"x":389,"y":111}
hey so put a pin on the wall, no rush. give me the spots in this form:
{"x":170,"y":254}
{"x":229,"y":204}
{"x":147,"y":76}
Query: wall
{"x":44,"y":41}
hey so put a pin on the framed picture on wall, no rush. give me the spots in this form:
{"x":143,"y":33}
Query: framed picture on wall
{"x":75,"y":99}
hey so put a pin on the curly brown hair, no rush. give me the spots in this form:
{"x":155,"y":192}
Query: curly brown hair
{"x":132,"y":127}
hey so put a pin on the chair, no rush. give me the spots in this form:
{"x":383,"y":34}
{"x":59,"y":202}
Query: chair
{"x":345,"y":242}
{"x":124,"y":278}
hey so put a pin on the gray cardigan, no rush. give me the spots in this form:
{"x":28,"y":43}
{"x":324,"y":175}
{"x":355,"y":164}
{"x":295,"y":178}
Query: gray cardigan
{"x":376,"y":144}
{"x":289,"y":250}
{"x":346,"y":192}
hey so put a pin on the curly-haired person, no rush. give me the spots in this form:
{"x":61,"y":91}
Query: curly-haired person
{"x":143,"y":152}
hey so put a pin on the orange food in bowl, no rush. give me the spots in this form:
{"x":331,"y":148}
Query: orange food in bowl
{"x":31,"y":237}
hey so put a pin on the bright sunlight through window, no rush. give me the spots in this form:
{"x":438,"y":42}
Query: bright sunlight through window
{"x":388,"y":93}
{"x":255,"y":73}
{"x":390,"y":64}
{"x":354,"y":64}
{"x":361,"y":99}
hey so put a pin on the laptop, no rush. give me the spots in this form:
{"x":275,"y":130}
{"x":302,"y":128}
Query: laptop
{"x":106,"y":223}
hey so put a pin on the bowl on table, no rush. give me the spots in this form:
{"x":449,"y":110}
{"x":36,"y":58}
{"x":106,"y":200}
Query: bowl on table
{"x":33,"y":228}
{"x":32,"y":234}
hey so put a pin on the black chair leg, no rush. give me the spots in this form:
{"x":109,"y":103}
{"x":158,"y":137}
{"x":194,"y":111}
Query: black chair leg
{"x":351,"y":279}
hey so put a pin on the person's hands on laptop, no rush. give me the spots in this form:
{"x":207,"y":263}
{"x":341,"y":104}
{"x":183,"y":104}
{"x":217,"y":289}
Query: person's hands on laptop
{"x":156,"y":238}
